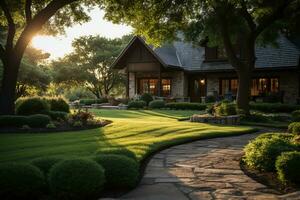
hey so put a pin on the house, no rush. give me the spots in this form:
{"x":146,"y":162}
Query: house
{"x":184,"y":72}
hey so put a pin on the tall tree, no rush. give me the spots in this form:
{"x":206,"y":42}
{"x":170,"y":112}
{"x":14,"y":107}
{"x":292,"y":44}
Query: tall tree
{"x":23,"y":19}
{"x":90,"y":64}
{"x":222,"y":22}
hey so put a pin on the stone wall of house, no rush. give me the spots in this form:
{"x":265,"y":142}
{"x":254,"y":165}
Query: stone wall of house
{"x":132,"y":89}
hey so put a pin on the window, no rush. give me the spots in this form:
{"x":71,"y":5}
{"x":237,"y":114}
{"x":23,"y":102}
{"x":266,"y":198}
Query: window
{"x":151,"y":86}
{"x":228,"y":85}
{"x":262,"y":86}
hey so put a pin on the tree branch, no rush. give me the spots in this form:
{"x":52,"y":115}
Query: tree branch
{"x":247,"y":16}
{"x":11,"y":26}
{"x":28,"y":13}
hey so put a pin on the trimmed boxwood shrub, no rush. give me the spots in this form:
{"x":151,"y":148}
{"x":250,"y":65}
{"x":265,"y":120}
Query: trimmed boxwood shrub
{"x":185,"y":106}
{"x":76,"y":179}
{"x":58,"y":104}
{"x":226,"y":109}
{"x":45,"y":163}
{"x":30,"y":106}
{"x":12,"y":121}
{"x":38,"y":120}
{"x":262,"y":152}
{"x":57,"y":115}
{"x":274,"y":107}
{"x":147,"y":98}
{"x":120,"y":171}
{"x":287,"y":166}
{"x":296,"y":116}
{"x":294,"y":128}
{"x":20,"y":181}
{"x":137,"y":104}
{"x":117,"y":151}
{"x":89,"y":102}
{"x":157,"y":104}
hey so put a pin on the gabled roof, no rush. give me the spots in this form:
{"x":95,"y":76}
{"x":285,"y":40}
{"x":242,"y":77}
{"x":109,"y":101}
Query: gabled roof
{"x":188,"y":57}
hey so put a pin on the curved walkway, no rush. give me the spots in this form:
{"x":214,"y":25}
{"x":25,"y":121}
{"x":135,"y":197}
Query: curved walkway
{"x":205,"y":169}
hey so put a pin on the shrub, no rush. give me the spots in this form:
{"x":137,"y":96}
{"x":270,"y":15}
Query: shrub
{"x":120,"y":171}
{"x":287,"y":166}
{"x":89,"y":102}
{"x":51,"y":126}
{"x":58,"y":104}
{"x":147,"y":98}
{"x":137,"y":104}
{"x":185,"y":106}
{"x":57,"y":115}
{"x":256,"y":117}
{"x":296,"y":115}
{"x":12,"y":121}
{"x":210,"y":99}
{"x":45,"y":163}
{"x":81,"y":116}
{"x":261,"y":153}
{"x":30,"y":106}
{"x":226,"y":109}
{"x":38,"y":120}
{"x":76,"y":179}
{"x":294,"y":128}
{"x":20,"y":181}
{"x":157,"y":104}
{"x":118,"y":151}
{"x":274,"y":107}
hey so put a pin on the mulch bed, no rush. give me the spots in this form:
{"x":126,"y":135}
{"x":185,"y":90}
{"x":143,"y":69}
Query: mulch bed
{"x":62,"y":128}
{"x":269,"y":179}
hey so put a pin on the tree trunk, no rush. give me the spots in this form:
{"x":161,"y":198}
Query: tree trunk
{"x":8,"y":87}
{"x":243,"y":96}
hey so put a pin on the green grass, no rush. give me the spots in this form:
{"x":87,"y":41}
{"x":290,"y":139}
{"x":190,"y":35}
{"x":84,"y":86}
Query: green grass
{"x":139,"y":131}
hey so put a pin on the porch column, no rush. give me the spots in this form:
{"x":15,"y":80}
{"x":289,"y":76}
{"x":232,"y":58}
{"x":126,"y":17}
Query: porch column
{"x":127,"y":84}
{"x":159,"y":82}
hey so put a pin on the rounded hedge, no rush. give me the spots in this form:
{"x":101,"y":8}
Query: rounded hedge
{"x":287,"y":166}
{"x":120,"y":171}
{"x":20,"y":181}
{"x":147,"y":98}
{"x":117,"y":151}
{"x":38,"y":120}
{"x":59,"y":104}
{"x":137,"y":104}
{"x":76,"y":179}
{"x":157,"y":104}
{"x":30,"y":106}
{"x":261,"y":153}
{"x":45,"y":163}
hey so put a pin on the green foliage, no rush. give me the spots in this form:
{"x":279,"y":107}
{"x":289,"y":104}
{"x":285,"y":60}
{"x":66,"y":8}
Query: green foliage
{"x":51,"y":126}
{"x":226,"y":109}
{"x":262,"y":152}
{"x":157,"y":104}
{"x":77,"y":92}
{"x":185,"y":106}
{"x":45,"y":163}
{"x":38,"y":120}
{"x":294,"y":128}
{"x":147,"y":98}
{"x":89,"y":102}
{"x":287,"y":166}
{"x":12,"y":121}
{"x":81,"y":116}
{"x":117,"y":151}
{"x":210,"y":99}
{"x":296,"y":115}
{"x":57,"y":115}
{"x":137,"y":104}
{"x":20,"y":181}
{"x":76,"y":179}
{"x":120,"y":171}
{"x":274,"y":107}
{"x":32,"y":105}
{"x":58,"y":104}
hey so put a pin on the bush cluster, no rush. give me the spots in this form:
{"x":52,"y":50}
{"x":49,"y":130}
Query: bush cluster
{"x":34,"y":121}
{"x":89,"y":102}
{"x":58,"y":104}
{"x":30,"y":106}
{"x":58,"y":115}
{"x":147,"y":98}
{"x":225,"y":109}
{"x":45,"y":163}
{"x":287,"y":166}
{"x":185,"y":106}
{"x":157,"y":104}
{"x":137,"y":104}
{"x":274,"y":107}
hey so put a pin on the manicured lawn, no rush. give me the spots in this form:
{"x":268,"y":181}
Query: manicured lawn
{"x":139,"y":131}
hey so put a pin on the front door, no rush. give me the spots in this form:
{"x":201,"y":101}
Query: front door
{"x":197,"y":89}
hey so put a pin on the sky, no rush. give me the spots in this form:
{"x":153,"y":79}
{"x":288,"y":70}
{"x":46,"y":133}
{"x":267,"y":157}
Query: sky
{"x":58,"y":46}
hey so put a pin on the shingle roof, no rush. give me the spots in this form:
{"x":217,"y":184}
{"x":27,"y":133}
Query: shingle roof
{"x":189,"y":57}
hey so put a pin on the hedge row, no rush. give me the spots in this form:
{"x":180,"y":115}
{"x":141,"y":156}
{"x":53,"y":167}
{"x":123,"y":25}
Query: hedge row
{"x":74,"y":178}
{"x":89,"y":102}
{"x":274,"y":107}
{"x":34,"y":121}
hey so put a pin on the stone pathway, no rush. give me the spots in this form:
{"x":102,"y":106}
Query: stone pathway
{"x":205,"y":169}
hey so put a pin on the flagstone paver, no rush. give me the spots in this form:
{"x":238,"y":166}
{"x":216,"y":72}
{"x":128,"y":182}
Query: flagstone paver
{"x":205,"y":169}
